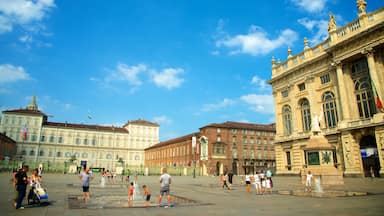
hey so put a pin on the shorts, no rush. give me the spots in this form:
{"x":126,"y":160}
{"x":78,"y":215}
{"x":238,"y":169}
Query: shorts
{"x":247,"y":182}
{"x":164,"y":190}
{"x":148,"y":198}
{"x":85,"y":188}
{"x":257,"y":185}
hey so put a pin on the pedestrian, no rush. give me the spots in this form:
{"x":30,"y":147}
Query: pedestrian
{"x":372,"y":172}
{"x":248,"y":182}
{"x":230,"y":179}
{"x":308,"y":181}
{"x":14,"y":184}
{"x":131,"y":192}
{"x":147,"y":195}
{"x":35,"y":181}
{"x":225,"y":178}
{"x":86,"y":178}
{"x":257,"y":182}
{"x":21,"y":185}
{"x":165,"y":181}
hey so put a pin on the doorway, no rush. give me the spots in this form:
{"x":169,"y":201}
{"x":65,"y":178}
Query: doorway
{"x":369,"y":156}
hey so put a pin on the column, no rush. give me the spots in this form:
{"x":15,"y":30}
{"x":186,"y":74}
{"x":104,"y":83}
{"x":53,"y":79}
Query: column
{"x":343,"y":107}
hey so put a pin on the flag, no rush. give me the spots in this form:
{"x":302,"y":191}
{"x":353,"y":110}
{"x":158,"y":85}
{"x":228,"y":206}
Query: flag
{"x":379,"y":104}
{"x":25,"y":132}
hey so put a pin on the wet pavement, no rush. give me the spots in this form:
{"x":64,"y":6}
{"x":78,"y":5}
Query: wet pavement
{"x":196,"y":196}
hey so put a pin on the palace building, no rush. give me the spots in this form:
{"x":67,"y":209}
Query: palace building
{"x":229,"y":146}
{"x":53,"y":144}
{"x":340,"y":84}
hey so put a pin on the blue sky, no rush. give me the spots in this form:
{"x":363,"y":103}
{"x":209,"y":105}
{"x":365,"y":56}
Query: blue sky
{"x":183,"y":64}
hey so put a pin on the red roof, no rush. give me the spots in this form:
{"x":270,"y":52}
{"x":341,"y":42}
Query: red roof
{"x":25,"y":111}
{"x":243,"y":125}
{"x":142,"y":122}
{"x":86,"y":126}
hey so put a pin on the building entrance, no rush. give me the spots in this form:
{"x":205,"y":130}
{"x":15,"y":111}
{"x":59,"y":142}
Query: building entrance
{"x":369,"y":156}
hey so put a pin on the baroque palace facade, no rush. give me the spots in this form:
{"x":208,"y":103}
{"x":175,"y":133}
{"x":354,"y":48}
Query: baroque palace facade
{"x":40,"y":141}
{"x":229,"y":146}
{"x":340,"y":82}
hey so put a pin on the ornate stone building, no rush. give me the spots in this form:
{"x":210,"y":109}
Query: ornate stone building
{"x":240,"y":147}
{"x":340,"y":83}
{"x":40,"y":141}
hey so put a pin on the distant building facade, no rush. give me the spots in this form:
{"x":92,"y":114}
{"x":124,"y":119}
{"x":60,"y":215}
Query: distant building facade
{"x":7,"y":147}
{"x":340,"y":83}
{"x":230,"y":146}
{"x":40,"y":141}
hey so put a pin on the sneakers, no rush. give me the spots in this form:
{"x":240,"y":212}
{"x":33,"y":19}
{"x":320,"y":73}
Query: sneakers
{"x":21,"y":207}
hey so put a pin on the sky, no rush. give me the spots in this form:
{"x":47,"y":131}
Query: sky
{"x":181,"y":63}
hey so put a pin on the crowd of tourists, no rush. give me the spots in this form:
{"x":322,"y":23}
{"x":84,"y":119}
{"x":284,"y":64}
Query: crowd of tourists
{"x":261,"y":181}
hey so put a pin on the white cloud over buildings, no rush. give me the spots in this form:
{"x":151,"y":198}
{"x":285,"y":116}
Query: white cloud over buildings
{"x":256,"y":41}
{"x":10,"y":73}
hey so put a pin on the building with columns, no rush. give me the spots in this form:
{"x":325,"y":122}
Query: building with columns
{"x":340,"y":82}
{"x":240,"y":147}
{"x":53,"y":144}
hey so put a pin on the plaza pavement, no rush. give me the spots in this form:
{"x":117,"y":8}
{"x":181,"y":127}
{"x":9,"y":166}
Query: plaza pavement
{"x":208,"y":198}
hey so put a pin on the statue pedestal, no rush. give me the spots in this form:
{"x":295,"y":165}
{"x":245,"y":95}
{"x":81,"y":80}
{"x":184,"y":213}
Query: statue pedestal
{"x":319,"y":160}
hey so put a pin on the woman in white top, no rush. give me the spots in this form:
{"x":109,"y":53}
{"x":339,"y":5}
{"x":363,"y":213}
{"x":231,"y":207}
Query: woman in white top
{"x":248,"y":182}
{"x":257,"y":182}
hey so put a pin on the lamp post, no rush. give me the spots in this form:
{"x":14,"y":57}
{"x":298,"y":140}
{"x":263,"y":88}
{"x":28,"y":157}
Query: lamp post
{"x":194,"y":155}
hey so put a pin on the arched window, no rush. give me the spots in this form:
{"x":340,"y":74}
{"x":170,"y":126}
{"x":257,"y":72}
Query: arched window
{"x":305,"y":114}
{"x":41,"y":153}
{"x":330,"y":111}
{"x":287,"y":119}
{"x":364,"y":97}
{"x":58,"y":154}
{"x":32,"y":153}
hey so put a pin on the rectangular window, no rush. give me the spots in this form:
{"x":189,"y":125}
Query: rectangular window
{"x":284,"y":93}
{"x":42,"y":139}
{"x":60,"y":140}
{"x":325,"y":79}
{"x":51,"y":139}
{"x":33,"y":138}
{"x":301,"y":86}
{"x":77,"y":140}
{"x":288,"y":154}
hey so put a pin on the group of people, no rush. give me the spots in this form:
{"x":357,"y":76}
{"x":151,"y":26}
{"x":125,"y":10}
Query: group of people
{"x":21,"y":181}
{"x":165,"y":181}
{"x":262,"y":181}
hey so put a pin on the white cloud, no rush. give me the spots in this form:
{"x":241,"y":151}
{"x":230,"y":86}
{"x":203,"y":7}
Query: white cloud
{"x":22,"y":12}
{"x":310,"y":5}
{"x":260,"y":83}
{"x":319,"y":28}
{"x":127,"y":73}
{"x":259,"y":103}
{"x":222,"y":104}
{"x":162,"y":119}
{"x":10,"y":73}
{"x":168,"y":78}
{"x":256,"y":42}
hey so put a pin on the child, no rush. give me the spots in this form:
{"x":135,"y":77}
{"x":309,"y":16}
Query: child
{"x":131,"y":190}
{"x":147,"y":195}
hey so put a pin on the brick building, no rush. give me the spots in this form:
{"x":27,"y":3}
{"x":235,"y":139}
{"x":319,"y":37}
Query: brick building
{"x":7,"y":147}
{"x":241,"y":147}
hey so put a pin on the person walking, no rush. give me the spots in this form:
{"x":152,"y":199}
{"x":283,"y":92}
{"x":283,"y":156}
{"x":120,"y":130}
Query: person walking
{"x":165,"y":181}
{"x":21,"y":185}
{"x":131,"y":191}
{"x":230,"y":179}
{"x":86,"y":178}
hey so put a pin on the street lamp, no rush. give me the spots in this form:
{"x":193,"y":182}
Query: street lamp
{"x":194,"y":155}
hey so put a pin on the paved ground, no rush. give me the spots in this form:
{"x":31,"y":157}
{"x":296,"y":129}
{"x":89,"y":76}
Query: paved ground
{"x":198,"y":196}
